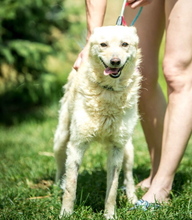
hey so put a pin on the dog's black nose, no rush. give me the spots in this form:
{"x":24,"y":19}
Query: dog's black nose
{"x":115,"y":61}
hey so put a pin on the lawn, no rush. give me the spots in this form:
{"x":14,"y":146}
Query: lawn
{"x":27,"y":170}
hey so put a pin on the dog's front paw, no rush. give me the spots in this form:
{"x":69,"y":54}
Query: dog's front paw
{"x":65,"y":213}
{"x":108,"y":216}
{"x":133,"y":198}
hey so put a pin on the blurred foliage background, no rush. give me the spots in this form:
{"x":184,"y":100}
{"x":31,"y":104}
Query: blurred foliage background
{"x":39,"y":40}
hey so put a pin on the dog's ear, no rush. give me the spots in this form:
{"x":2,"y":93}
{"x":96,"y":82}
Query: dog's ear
{"x":133,"y":35}
{"x":95,"y":30}
{"x":92,"y":34}
{"x":133,"y":29}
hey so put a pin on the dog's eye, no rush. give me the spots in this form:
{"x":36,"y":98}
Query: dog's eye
{"x":125,"y":44}
{"x":103,"y":45}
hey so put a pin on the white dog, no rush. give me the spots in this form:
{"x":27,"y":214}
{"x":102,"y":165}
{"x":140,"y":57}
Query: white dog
{"x":100,"y":103}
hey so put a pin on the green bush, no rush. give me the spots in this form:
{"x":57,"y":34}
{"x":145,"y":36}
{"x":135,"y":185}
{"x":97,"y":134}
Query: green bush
{"x":27,"y":40}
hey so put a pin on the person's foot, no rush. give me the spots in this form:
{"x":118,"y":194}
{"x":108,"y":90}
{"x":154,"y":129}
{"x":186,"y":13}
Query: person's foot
{"x":152,"y":200}
{"x":157,"y":194}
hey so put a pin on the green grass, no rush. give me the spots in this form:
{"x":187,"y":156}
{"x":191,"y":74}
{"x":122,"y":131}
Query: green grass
{"x":27,"y":170}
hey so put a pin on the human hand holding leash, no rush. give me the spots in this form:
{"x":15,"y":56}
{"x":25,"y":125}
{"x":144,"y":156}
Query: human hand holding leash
{"x":138,"y":3}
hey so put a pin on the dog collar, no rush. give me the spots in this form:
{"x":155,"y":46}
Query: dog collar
{"x":109,"y":88}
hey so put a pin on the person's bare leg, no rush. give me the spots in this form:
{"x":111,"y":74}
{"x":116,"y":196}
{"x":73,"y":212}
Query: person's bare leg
{"x":150,"y":27}
{"x":178,"y":119}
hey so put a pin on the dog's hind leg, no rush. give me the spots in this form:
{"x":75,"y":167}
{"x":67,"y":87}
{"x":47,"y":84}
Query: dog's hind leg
{"x":128,"y":171}
{"x":74,"y":157}
{"x":60,"y":143}
{"x":61,"y":139}
{"x":114,"y":163}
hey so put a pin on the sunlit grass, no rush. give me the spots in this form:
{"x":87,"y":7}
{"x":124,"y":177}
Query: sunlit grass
{"x":27,"y":170}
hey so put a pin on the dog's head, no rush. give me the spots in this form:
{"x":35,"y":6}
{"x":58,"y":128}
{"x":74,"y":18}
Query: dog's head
{"x":114,"y":49}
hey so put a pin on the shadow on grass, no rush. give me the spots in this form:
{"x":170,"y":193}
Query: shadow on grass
{"x":140,"y":173}
{"x":91,"y":189}
{"x":92,"y":186}
{"x":22,"y":103}
{"x":13,"y":114}
{"x":181,"y":179}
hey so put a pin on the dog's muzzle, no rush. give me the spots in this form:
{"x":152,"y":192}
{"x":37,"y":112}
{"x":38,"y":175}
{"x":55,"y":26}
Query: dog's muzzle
{"x":113,"y":71}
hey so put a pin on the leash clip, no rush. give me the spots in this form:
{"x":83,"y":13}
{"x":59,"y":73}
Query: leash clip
{"x":121,"y":19}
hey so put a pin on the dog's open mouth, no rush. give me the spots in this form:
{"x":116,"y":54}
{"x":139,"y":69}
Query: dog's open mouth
{"x":112,"y":72}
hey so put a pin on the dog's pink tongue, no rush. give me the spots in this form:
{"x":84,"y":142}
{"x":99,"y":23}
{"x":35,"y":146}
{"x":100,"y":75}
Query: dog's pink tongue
{"x":110,"y":70}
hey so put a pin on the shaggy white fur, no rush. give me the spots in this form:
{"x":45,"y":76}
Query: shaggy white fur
{"x":100,"y":104}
